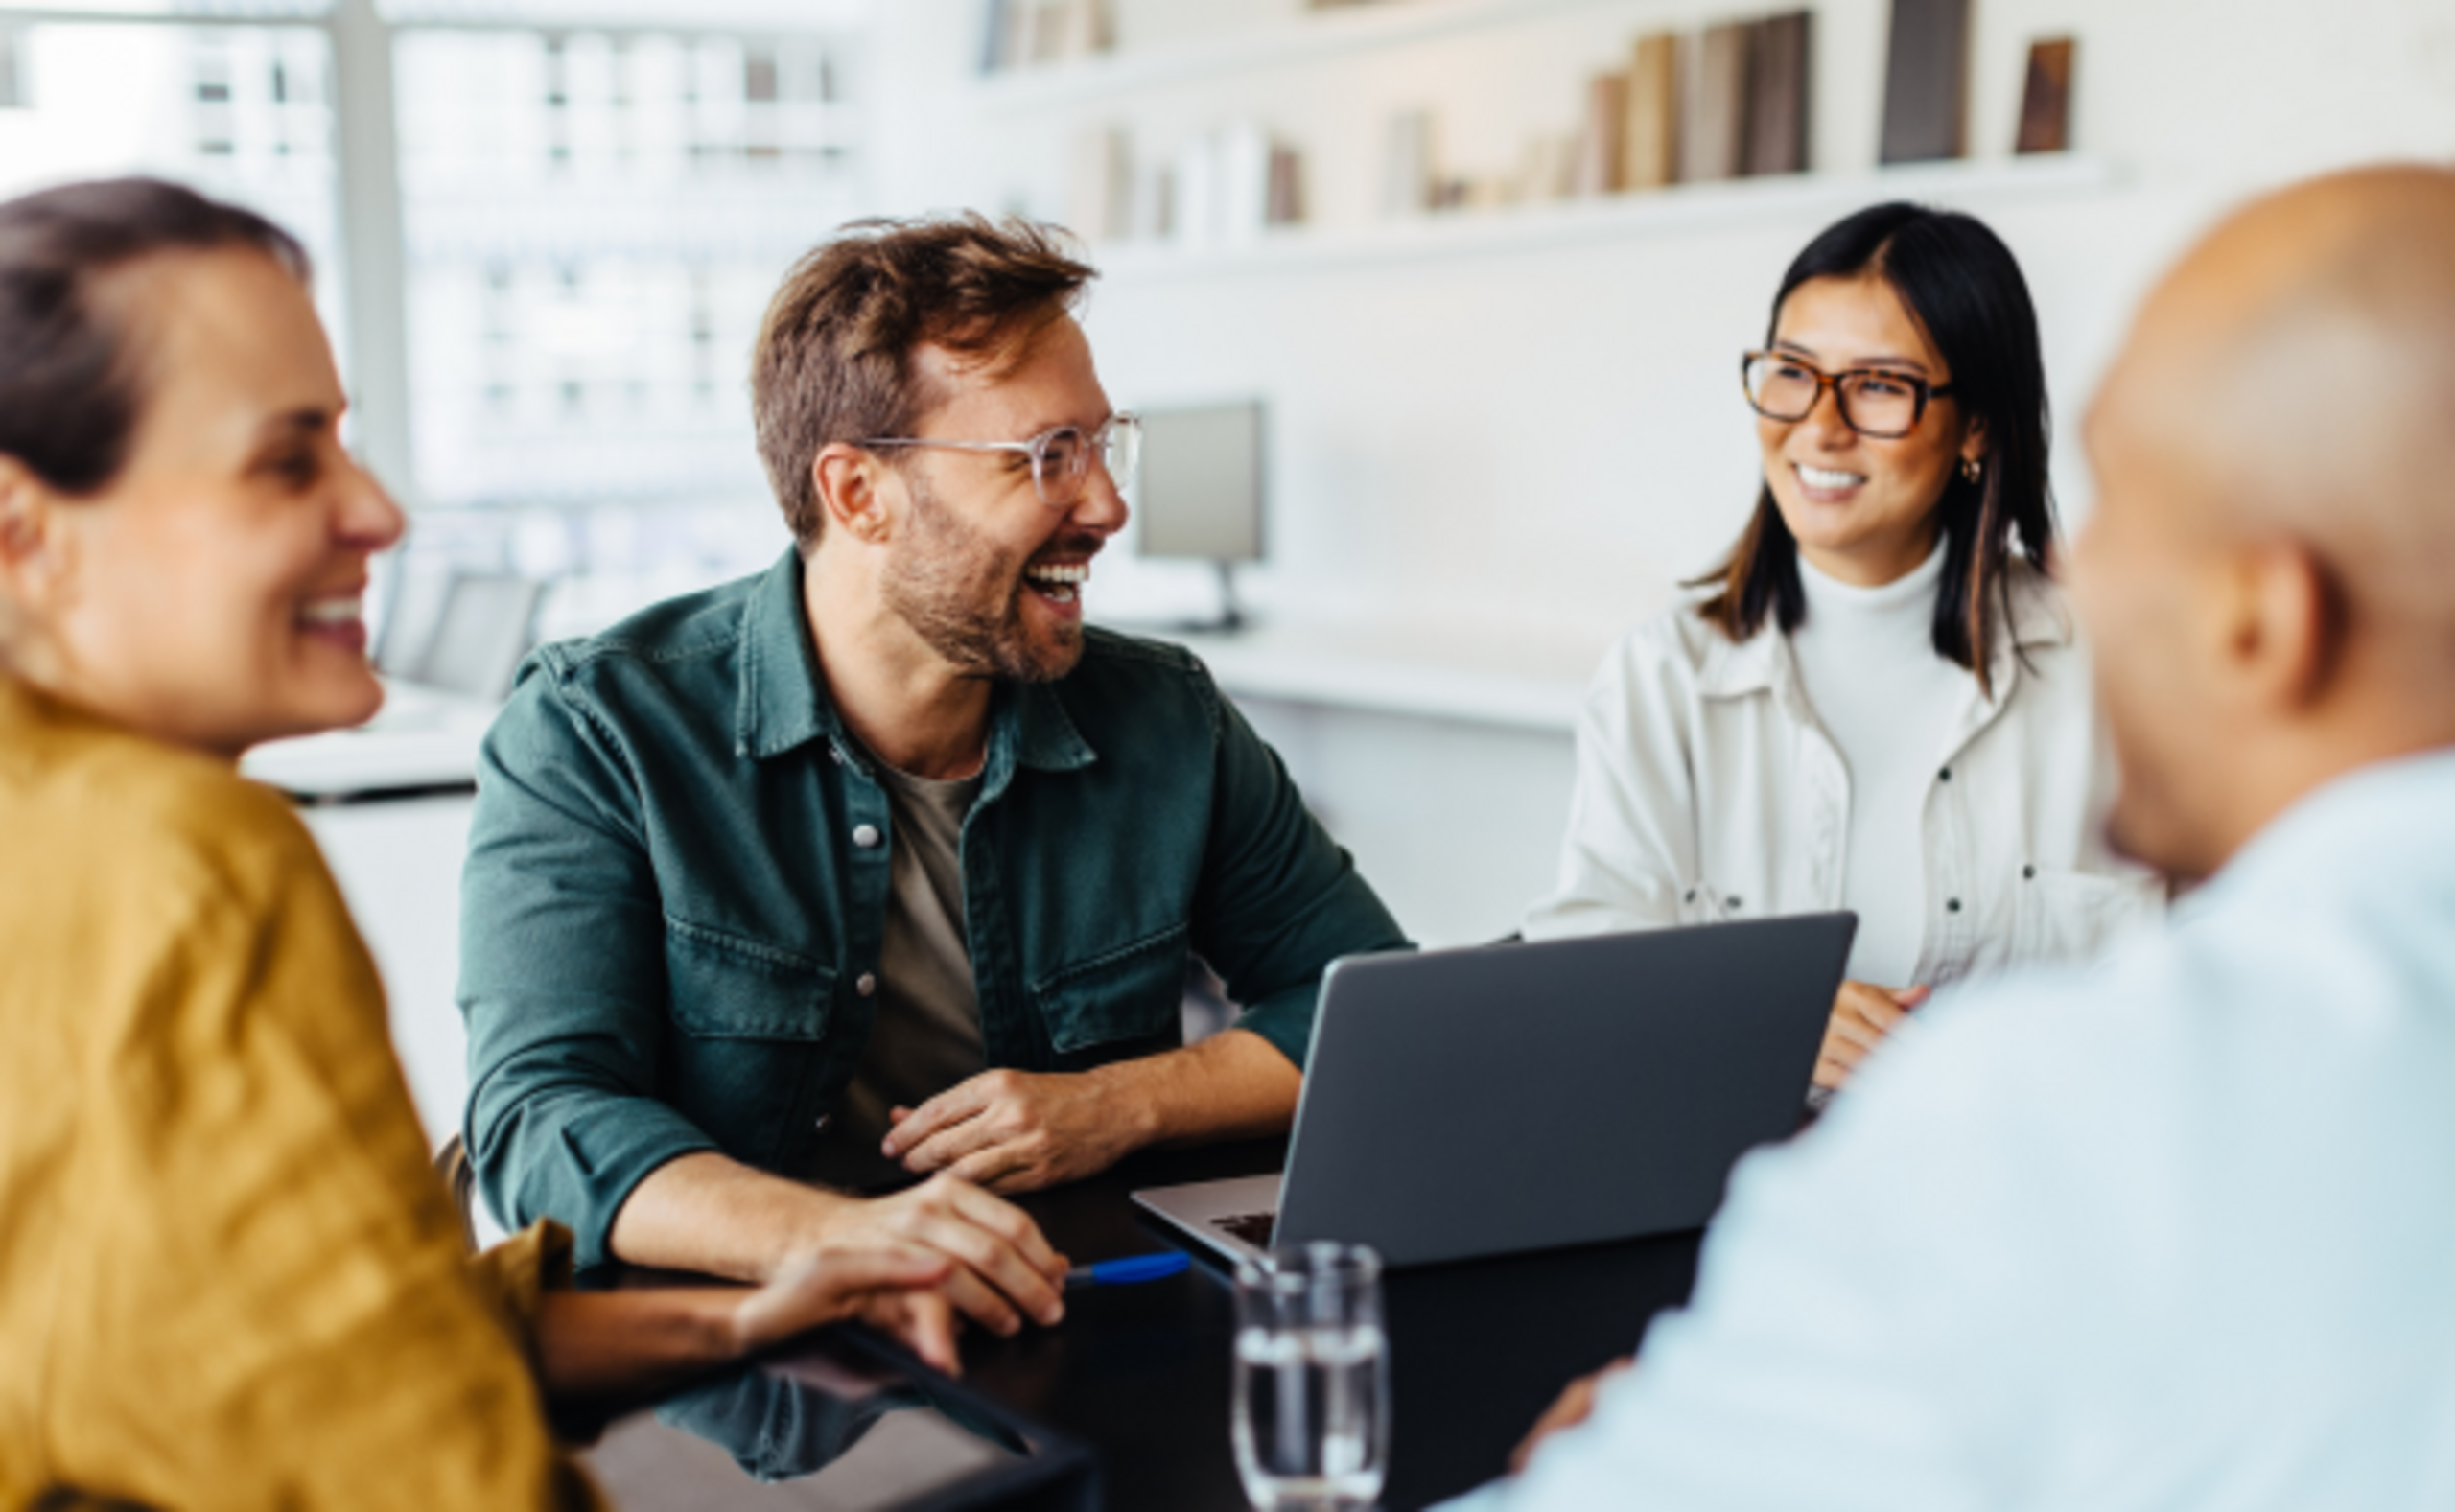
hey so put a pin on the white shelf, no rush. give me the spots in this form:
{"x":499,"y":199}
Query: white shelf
{"x":1691,"y":209}
{"x":1328,"y":34}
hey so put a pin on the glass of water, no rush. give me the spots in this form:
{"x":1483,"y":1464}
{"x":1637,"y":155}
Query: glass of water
{"x":1312,"y":1395}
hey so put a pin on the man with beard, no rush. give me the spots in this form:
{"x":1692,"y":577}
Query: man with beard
{"x":880,"y":864}
{"x":2173,"y":1234}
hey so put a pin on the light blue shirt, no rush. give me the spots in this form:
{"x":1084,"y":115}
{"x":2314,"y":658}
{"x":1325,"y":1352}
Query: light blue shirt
{"x":2176,"y":1234}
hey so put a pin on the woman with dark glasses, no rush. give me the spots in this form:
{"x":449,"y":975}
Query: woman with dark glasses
{"x":1876,"y":703}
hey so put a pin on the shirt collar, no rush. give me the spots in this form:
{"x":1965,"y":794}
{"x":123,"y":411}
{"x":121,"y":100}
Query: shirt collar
{"x":783,"y":703}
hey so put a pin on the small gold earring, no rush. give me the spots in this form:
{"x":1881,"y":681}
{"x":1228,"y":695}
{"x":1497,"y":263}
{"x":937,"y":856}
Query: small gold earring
{"x":1968,"y":469}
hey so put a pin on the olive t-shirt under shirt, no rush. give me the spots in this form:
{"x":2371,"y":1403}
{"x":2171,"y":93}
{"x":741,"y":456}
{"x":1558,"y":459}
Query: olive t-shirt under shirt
{"x":927,"y":1036}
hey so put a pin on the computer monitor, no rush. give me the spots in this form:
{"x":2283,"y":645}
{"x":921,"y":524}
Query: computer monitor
{"x":1200,"y":492}
{"x":484,"y":629}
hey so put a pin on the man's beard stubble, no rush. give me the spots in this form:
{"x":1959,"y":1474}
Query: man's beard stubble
{"x":965,"y":603}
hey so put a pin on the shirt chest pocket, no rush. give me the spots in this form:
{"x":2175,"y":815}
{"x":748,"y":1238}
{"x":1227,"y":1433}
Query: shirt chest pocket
{"x":1123,"y":1002}
{"x":750,"y":1026}
{"x":2074,"y":916}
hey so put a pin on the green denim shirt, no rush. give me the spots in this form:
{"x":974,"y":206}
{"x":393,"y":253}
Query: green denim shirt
{"x":677,"y":886}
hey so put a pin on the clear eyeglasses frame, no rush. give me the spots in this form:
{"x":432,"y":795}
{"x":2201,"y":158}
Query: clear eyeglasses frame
{"x":1060,"y":457}
{"x":1879,"y":402}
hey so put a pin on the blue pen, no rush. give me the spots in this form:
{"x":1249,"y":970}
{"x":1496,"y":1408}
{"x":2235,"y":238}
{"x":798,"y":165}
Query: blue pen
{"x":1133,"y":1268}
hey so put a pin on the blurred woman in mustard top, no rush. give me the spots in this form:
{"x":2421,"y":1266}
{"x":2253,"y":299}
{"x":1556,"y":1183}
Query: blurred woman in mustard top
{"x":227,"y":1275}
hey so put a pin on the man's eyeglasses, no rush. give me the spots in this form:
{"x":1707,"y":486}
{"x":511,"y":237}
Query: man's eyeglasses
{"x":1873,"y":400}
{"x":1061,"y":459}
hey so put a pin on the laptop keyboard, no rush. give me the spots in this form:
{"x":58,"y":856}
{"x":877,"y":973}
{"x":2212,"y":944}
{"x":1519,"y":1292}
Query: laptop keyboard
{"x":1253,"y":1228}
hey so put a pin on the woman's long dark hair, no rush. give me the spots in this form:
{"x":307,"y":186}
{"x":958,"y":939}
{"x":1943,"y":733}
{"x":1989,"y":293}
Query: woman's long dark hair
{"x":1962,"y":285}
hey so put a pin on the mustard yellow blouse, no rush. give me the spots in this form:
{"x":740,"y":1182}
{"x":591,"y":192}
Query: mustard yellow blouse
{"x":228,"y":1276}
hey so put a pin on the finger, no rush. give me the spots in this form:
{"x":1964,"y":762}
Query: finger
{"x":949,"y":1146}
{"x":1858,"y":1038}
{"x":1570,"y":1409}
{"x":926,"y":1322}
{"x":1913,"y":996}
{"x":1010,"y":1223}
{"x":1000,"y":1168}
{"x":982,"y":1303}
{"x":1831,"y":1073}
{"x":997,"y":1265}
{"x":961,"y":1100}
{"x":831,"y":1285}
{"x":1870,"y":1005}
{"x":896,"y":1114}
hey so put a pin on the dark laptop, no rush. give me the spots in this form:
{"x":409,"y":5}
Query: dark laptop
{"x":1467,"y":1103}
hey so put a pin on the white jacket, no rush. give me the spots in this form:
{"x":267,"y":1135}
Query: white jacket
{"x":1707,"y":790}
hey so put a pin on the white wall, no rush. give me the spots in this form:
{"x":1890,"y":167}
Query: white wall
{"x":1554,"y":436}
{"x":1531,"y":442}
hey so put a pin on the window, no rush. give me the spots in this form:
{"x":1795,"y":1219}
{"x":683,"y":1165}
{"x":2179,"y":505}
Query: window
{"x":237,"y":110}
{"x":595,"y":220}
{"x":594,"y":198}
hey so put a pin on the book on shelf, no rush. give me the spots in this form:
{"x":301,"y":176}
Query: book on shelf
{"x":2046,"y":99}
{"x":1100,"y":189}
{"x":1244,"y":182}
{"x":1150,"y":214}
{"x":1048,"y":29}
{"x":1713,"y":143}
{"x":1778,"y":74}
{"x":995,"y":17}
{"x":1085,"y":27}
{"x":1286,"y":205}
{"x":1649,"y":140}
{"x":1016,"y":33}
{"x":1406,"y":163}
{"x":1194,"y":199}
{"x":1223,"y":188}
{"x":1600,"y":144}
{"x":1926,"y":85}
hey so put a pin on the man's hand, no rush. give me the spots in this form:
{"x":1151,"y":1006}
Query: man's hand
{"x":896,"y":1289}
{"x":1002,"y":1271}
{"x":1575,"y":1406}
{"x":1019,"y":1130}
{"x":1863,"y":1014}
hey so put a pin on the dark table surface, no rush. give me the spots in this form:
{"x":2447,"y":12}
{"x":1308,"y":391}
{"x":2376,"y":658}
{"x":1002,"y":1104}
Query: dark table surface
{"x":1141,"y":1373}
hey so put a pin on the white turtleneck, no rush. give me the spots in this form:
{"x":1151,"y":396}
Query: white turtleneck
{"x":1868,"y":663}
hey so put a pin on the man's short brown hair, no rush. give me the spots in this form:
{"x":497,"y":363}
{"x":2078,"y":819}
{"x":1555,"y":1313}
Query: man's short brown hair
{"x":835,"y":357}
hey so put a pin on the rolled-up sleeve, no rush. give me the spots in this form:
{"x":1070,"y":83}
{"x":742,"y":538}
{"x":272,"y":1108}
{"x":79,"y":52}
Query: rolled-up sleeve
{"x":562,"y":972}
{"x":1278,"y":900}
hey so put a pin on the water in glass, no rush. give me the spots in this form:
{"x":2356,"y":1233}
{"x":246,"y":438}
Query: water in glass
{"x":1312,"y":1424}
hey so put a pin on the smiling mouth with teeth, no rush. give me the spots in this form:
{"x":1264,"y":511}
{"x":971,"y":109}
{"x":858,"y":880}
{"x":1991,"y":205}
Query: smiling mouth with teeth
{"x":1059,"y":584}
{"x":1826,"y":477}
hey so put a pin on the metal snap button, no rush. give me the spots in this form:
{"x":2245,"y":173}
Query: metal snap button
{"x":865,"y":984}
{"x":865,"y":835}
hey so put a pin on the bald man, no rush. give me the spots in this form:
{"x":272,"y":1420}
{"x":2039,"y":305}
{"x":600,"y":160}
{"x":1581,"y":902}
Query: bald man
{"x":2182,"y":1234}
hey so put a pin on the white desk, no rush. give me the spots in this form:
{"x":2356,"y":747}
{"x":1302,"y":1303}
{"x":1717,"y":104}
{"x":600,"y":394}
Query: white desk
{"x":1515,"y":682}
{"x":1440,"y":755}
{"x":423,"y":741}
{"x":389,"y":804}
